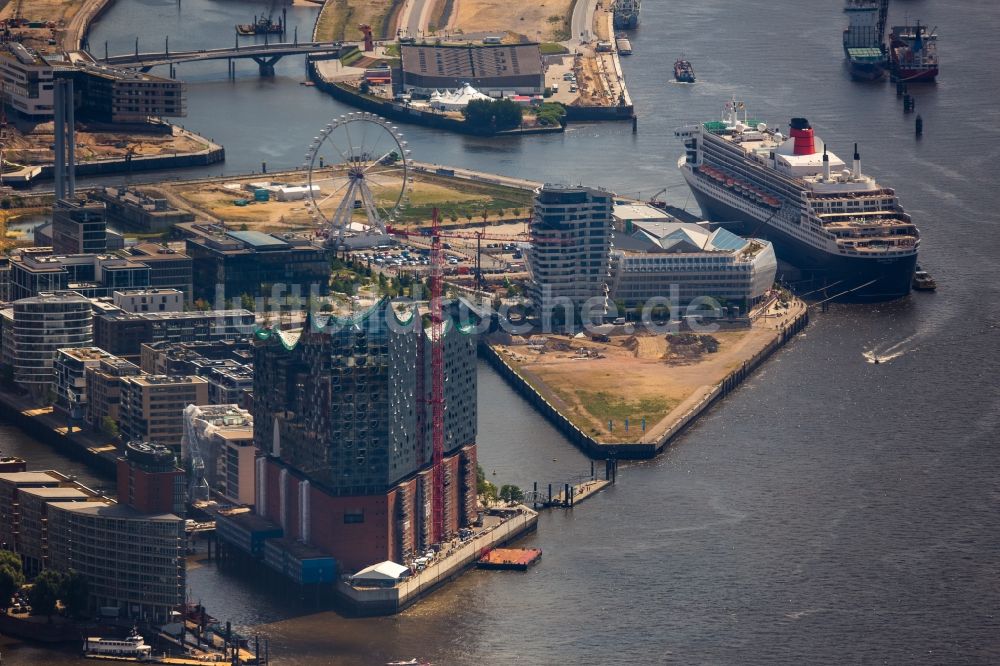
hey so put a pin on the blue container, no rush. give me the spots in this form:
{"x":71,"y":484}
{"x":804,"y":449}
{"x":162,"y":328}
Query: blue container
{"x":261,"y":195}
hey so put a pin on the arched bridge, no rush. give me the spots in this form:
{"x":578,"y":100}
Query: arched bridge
{"x":265,"y":55}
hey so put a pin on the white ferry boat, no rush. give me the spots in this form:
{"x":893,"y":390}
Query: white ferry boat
{"x":839,"y":226}
{"x":134,"y":646}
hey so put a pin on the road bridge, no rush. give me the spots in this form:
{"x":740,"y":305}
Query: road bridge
{"x":265,"y":55}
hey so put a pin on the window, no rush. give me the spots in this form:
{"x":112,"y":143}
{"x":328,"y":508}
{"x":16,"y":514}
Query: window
{"x":353,"y":516}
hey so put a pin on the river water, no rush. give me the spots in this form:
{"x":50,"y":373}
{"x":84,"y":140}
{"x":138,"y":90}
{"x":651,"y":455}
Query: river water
{"x":829,"y":511}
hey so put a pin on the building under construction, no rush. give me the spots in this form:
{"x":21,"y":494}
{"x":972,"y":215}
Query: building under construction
{"x":346,"y":411}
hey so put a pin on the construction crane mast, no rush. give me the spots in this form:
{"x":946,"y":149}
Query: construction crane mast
{"x":437,"y":379}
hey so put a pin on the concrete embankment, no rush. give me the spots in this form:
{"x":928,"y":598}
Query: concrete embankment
{"x":344,"y":93}
{"x":79,"y":25}
{"x":639,"y":450}
{"x":389,"y":600}
{"x":93,"y":450}
{"x":213,"y":153}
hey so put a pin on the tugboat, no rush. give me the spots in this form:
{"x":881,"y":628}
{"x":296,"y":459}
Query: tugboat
{"x":922,"y":281}
{"x":683,"y":71}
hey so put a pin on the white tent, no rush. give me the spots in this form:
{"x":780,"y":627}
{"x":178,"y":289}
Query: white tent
{"x":383,"y":573}
{"x":456,"y":100}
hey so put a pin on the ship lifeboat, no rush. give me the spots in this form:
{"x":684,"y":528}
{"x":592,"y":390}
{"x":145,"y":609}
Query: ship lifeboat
{"x":730,"y":182}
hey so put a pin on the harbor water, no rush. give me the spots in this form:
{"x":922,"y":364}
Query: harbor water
{"x":830,"y":511}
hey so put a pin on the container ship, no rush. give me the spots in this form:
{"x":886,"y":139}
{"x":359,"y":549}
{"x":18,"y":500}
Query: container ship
{"x":913,"y":53}
{"x":838,"y":226}
{"x":864,"y":38}
{"x":626,"y":14}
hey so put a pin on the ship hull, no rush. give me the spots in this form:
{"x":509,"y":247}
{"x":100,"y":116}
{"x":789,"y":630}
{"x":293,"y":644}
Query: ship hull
{"x":908,"y":75}
{"x":626,"y":22}
{"x":865,"y":71}
{"x":884,"y":279}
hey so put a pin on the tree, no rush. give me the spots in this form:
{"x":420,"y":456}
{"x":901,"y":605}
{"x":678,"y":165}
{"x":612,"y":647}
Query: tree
{"x":511,"y":493}
{"x":11,"y":578}
{"x":493,"y":115}
{"x":487,"y":491}
{"x":75,"y":593}
{"x":110,"y":426}
{"x":45,"y":592}
{"x":247,"y":302}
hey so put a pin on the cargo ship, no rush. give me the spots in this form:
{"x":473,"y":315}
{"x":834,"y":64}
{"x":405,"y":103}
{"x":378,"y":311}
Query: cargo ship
{"x":261,"y":26}
{"x":847,"y":234}
{"x":683,"y":71}
{"x":913,"y":53}
{"x":864,"y":39}
{"x":626,"y":14}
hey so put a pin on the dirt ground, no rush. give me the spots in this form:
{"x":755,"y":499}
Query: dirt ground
{"x":454,"y":199}
{"x":544,"y":21}
{"x":36,"y":147}
{"x":340,"y":19}
{"x":633,"y":377}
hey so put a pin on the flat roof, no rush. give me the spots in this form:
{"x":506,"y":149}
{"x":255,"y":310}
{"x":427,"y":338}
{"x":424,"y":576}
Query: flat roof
{"x":639,"y":211}
{"x":107,"y":508}
{"x":257,"y":239}
{"x":56,"y":493}
{"x":33,"y":477}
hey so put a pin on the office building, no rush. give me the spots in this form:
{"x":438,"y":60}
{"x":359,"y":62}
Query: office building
{"x":111,"y":95}
{"x":666,"y":260}
{"x":71,"y":378}
{"x":149,"y":479}
{"x":104,"y":386}
{"x":186,"y":358}
{"x":26,"y":81}
{"x":569,"y":260}
{"x":79,"y":226}
{"x":168,"y":267}
{"x":149,"y":300}
{"x":152,"y":407}
{"x":138,"y":211}
{"x":219,"y":450}
{"x":251,"y":262}
{"x":42,"y":325}
{"x":132,"y":561}
{"x":123,"y":333}
{"x":35,"y":270}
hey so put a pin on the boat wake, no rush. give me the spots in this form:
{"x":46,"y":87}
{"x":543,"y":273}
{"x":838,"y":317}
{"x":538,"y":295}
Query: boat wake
{"x":875,"y":355}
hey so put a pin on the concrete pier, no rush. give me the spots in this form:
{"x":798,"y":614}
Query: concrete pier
{"x":368,"y":601}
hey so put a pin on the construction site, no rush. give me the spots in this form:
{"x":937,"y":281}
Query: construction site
{"x":633,"y":387}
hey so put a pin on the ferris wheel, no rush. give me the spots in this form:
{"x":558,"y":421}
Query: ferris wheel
{"x":359,"y":176}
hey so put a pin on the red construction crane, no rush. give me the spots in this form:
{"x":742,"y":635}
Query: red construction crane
{"x":437,"y":380}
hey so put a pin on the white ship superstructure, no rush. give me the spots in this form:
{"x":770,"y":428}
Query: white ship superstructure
{"x":822,"y":215}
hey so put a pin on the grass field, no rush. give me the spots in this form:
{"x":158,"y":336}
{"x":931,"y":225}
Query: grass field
{"x":459,"y":199}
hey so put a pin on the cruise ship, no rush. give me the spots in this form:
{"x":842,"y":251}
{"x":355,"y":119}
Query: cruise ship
{"x":844,"y":231}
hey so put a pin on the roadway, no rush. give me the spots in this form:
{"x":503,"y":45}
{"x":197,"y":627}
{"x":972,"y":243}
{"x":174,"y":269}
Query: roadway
{"x":415,"y":17}
{"x":255,"y":51}
{"x":582,"y":22}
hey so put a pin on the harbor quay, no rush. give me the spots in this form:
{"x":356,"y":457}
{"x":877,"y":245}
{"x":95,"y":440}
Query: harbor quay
{"x":577,"y":382}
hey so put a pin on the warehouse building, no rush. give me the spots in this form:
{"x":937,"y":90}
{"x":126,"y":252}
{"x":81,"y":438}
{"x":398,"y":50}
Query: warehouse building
{"x":499,"y":70}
